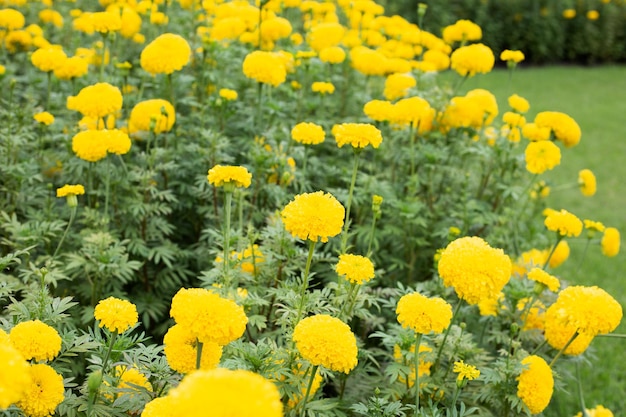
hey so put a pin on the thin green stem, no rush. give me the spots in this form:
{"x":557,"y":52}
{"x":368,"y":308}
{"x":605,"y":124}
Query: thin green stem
{"x":227,"y":208}
{"x":346,"y":224}
{"x":538,"y":348}
{"x":445,"y":336}
{"x":582,"y":258}
{"x":308,"y":390}
{"x":615,"y":335}
{"x":351,"y":301}
{"x":49,"y":89}
{"x":418,"y":339}
{"x":371,"y":240}
{"x":558,"y":240}
{"x":305,"y":281}
{"x":103,"y":57}
{"x":569,"y":342}
{"x":69,"y":224}
{"x":198,"y":353}
{"x":581,"y":397}
{"x":107,"y":185}
{"x":259,"y":107}
{"x":108,"y":353}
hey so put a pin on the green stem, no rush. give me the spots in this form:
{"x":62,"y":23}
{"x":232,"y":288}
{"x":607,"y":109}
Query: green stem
{"x":308,"y":390}
{"x":350,"y":301}
{"x":305,"y":281}
{"x":69,"y":224}
{"x":455,"y":397}
{"x":581,"y":397}
{"x":569,"y":342}
{"x":445,"y":336}
{"x":170,"y":89}
{"x":198,"y":353}
{"x":538,"y":348}
{"x":49,"y":88}
{"x":616,"y":335}
{"x":371,"y":240}
{"x":346,"y":224}
{"x":558,"y":240}
{"x":107,"y":185}
{"x":418,"y":339}
{"x":225,"y":263}
{"x":108,"y":353}
{"x":582,"y":258}
{"x":103,"y":57}
{"x":259,"y":105}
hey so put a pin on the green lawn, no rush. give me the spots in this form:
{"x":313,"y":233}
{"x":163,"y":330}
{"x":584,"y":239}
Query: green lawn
{"x":594,"y":97}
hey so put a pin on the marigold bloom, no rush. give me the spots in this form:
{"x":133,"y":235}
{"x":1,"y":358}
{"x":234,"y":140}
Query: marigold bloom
{"x":587,"y":182}
{"x":265,"y":67}
{"x":397,"y":85}
{"x":355,"y":268}
{"x":369,"y":62}
{"x":308,"y":133}
{"x":250,"y":258}
{"x":513,"y":119}
{"x":535,"y":314}
{"x":72,"y":67}
{"x":325,"y":35}
{"x":560,"y":254}
{"x":599,"y":411}
{"x":542,"y":156}
{"x":593,"y":15}
{"x":115,"y":314}
{"x":154,"y":115}
{"x":472,"y":59}
{"x":332,"y":55}
{"x":565,"y":128}
{"x":610,"y":242}
{"x":422,"y":314}
{"x":166,"y":54}
{"x":475,"y":269}
{"x":90,"y":145}
{"x":11,"y":19}
{"x":313,"y":216}
{"x":181,"y":350}
{"x":221,"y":175}
{"x":209,"y":317}
{"x":44,"y":117}
{"x":378,"y":110}
{"x":518,"y":103}
{"x":228,"y":94}
{"x":535,"y":133}
{"x":226,"y":393}
{"x":564,"y":223}
{"x":322,"y":87}
{"x":593,"y":226}
{"x":159,"y":407}
{"x":535,"y":384}
{"x":424,"y":365}
{"x":15,"y":377}
{"x":461,"y":31}
{"x":49,"y":58}
{"x":569,"y":13}
{"x":45,"y":392}
{"x":359,"y":135}
{"x":326,"y":341}
{"x":36,"y":340}
{"x":465,"y":371}
{"x":131,"y":379}
{"x":302,"y":372}
{"x":105,"y":22}
{"x":97,"y":101}
{"x":513,"y":56}
{"x":558,"y":331}
{"x":118,"y":142}
{"x":541,"y":276}
{"x":130,"y":23}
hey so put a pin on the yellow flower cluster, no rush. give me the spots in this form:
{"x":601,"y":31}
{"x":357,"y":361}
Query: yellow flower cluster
{"x":36,"y":340}
{"x":265,"y":67}
{"x":535,"y":316}
{"x":322,"y":87}
{"x":15,"y":377}
{"x":94,"y":145}
{"x":587,"y":182}
{"x":45,"y":392}
{"x":308,"y":133}
{"x":228,"y":94}
{"x":155,"y":115}
{"x":513,"y":56}
{"x":326,"y":341}
{"x":181,"y":350}
{"x":465,"y":371}
{"x":11,"y":19}
{"x":72,"y":67}
{"x":96,"y":101}
{"x":541,"y":276}
{"x":221,"y":175}
{"x":165,"y":54}
{"x":610,"y":242}
{"x":472,"y":59}
{"x":332,"y":55}
{"x":564,"y":223}
{"x":44,"y":117}
{"x":355,"y":268}
{"x":422,"y":314}
{"x":207,"y":316}
{"x":400,"y":356}
{"x":359,"y":135}
{"x":535,"y":384}
{"x":325,"y":35}
{"x":476,"y":109}
{"x":475,"y":269}
{"x":314,"y":216}
{"x":599,"y":411}
{"x":159,"y":407}
{"x":558,"y":331}
{"x":564,"y":128}
{"x":115,"y":314}
{"x":542,"y":156}
{"x":462,"y":31}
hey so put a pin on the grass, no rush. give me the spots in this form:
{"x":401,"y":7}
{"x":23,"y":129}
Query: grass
{"x":593,"y":96}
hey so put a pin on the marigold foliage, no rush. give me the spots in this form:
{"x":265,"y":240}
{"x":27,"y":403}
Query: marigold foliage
{"x":181,"y":350}
{"x":15,"y":376}
{"x":610,"y":242}
{"x":44,"y":393}
{"x":96,"y":101}
{"x":359,"y":135}
{"x":535,"y":384}
{"x":308,"y":133}
{"x":564,"y":223}
{"x":155,"y":115}
{"x":226,"y":393}
{"x":475,"y":269}
{"x":237,"y":176}
{"x":326,"y":341}
{"x":115,"y":314}
{"x":164,"y":55}
{"x":36,"y":340}
{"x":313,"y":216}
{"x":355,"y":268}
{"x":422,"y":314}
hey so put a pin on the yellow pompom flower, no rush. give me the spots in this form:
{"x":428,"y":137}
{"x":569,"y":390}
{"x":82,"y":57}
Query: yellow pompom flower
{"x":96,"y":101}
{"x":15,"y":376}
{"x":313,"y":216}
{"x":513,"y":119}
{"x":518,"y":103}
{"x":70,"y":192}
{"x":48,"y":58}
{"x":359,"y":135}
{"x":541,"y":276}
{"x":154,"y":115}
{"x":465,"y":371}
{"x":332,"y":55}
{"x":71,"y":68}
{"x":564,"y":128}
{"x":610,"y":242}
{"x":560,"y":254}
{"x":308,"y":133}
{"x":181,"y":350}
{"x":558,"y":331}
{"x":512,"y":56}
{"x":226,"y":393}
{"x":587,"y":182}
{"x":326,"y":341}
{"x":325,"y":35}
{"x":599,"y":411}
{"x":105,"y":22}
{"x":475,"y":269}
{"x":355,"y":268}
{"x":593,"y":15}
{"x":36,"y":340}
{"x":118,"y":142}
{"x":165,"y":54}
{"x":422,"y":314}
{"x":222,"y":175}
{"x":461,"y":31}
{"x":535,"y":384}
{"x":159,"y":407}
{"x":11,"y":19}
{"x":564,"y":223}
{"x":535,"y":133}
{"x":397,"y":85}
{"x":265,"y":67}
{"x":379,"y":110}
{"x":228,"y":94}
{"x":209,"y":317}
{"x":569,"y":13}
{"x":472,"y":59}
{"x":542,"y":156}
{"x":115,"y":314}
{"x":90,"y":145}
{"x":44,"y":393}
{"x":322,"y":87}
{"x":44,"y":118}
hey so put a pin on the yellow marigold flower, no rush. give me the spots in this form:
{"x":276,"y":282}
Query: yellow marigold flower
{"x":11,"y":19}
{"x":593,"y":226}
{"x":15,"y":377}
{"x":569,"y":13}
{"x":250,"y":258}
{"x":599,"y":411}
{"x":130,"y":379}
{"x":228,"y":94}
{"x":275,"y":28}
{"x":222,"y":175}
{"x":475,"y":269}
{"x":490,"y":306}
{"x":209,"y":317}
{"x":51,"y":16}
{"x":513,"y":56}
{"x":513,"y":119}
{"x":313,"y":216}
{"x":36,"y":340}
{"x":223,"y":392}
{"x":378,"y":110}
{"x":47,"y":59}
{"x":590,"y":310}
{"x":359,"y":135}
{"x":400,"y":356}
{"x":438,"y":59}
{"x":610,"y":242}
{"x":228,"y":28}
{"x":265,"y":67}
{"x":461,"y":31}
{"x":541,"y":276}
{"x":68,"y":190}
{"x":118,"y":142}
{"x":325,"y":35}
{"x":166,"y":54}
{"x":326,"y":341}
{"x":535,"y":384}
{"x":45,"y":392}
{"x":355,"y":268}
{"x":115,"y":314}
{"x":154,"y":115}
{"x":181,"y":350}
{"x":593,"y":15}
{"x":587,"y":182}
{"x":322,"y":87}
{"x":105,"y":22}
{"x":535,"y":315}
{"x":397,"y":85}
{"x":369,"y":62}
{"x":542,"y":156}
{"x":130,"y":19}
{"x":44,"y":117}
{"x":97,"y":101}
{"x":465,"y":371}
{"x":558,"y":331}
{"x":422,"y":314}
{"x":159,"y":407}
{"x":308,"y":133}
{"x":72,"y":67}
{"x":90,"y":145}
{"x":518,"y":103}
{"x":564,"y":223}
{"x":535,"y":133}
{"x":332,"y":55}
{"x":565,"y":128}
{"x":472,"y":59}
